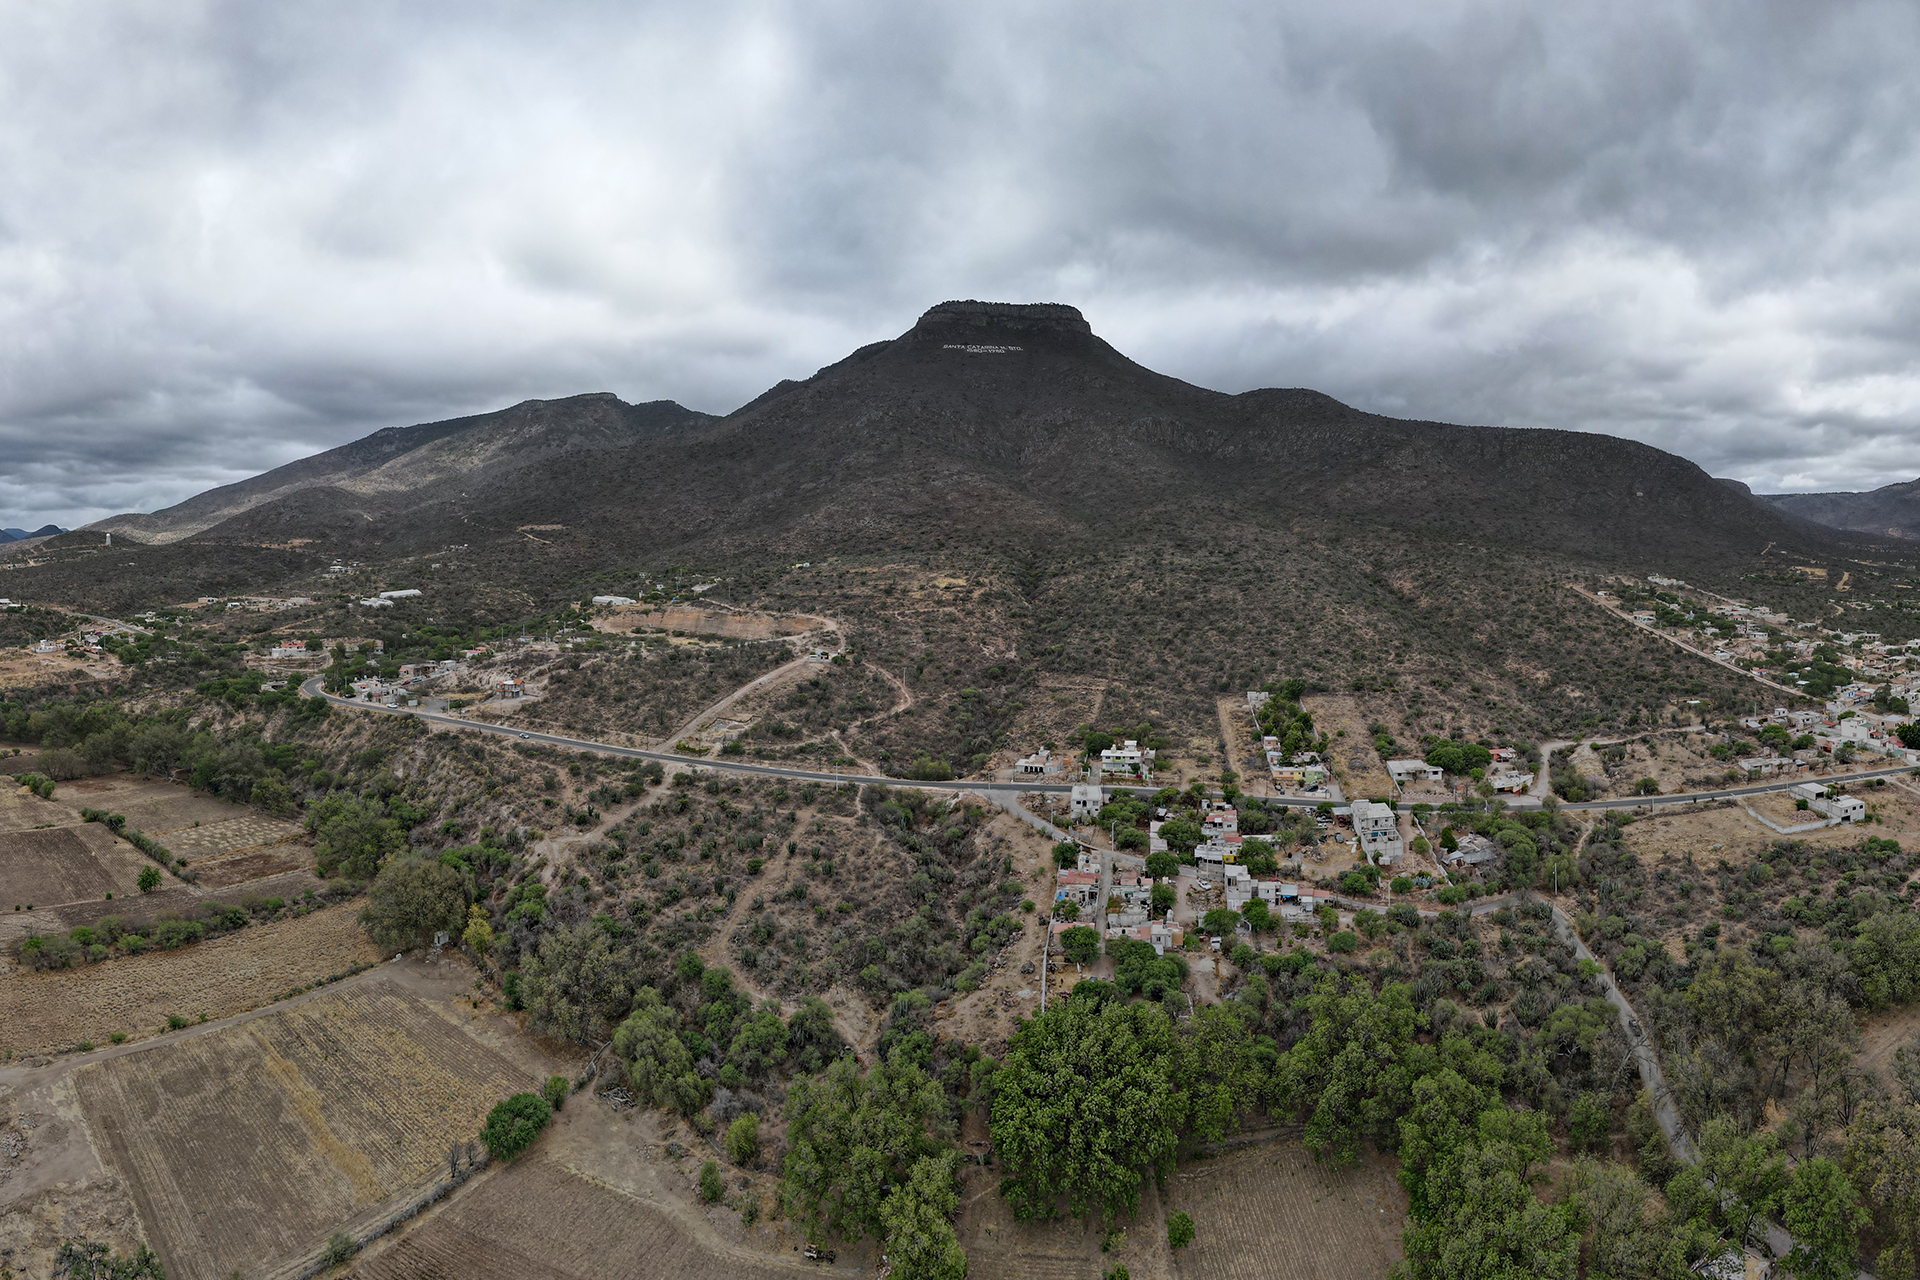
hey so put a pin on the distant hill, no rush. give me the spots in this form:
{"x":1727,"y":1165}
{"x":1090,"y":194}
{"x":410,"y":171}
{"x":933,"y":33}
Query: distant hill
{"x":1889,"y":512}
{"x":19,"y":535}
{"x":400,"y":460}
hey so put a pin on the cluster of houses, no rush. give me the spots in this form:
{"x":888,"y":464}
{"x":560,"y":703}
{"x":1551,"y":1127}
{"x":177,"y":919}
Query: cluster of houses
{"x":1503,"y":776}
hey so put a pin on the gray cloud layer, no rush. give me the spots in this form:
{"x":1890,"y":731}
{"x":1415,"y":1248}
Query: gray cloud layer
{"x":231,"y":235}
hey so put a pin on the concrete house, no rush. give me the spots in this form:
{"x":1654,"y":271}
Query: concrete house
{"x":1839,"y":808}
{"x":1515,"y":780}
{"x":1220,"y":822}
{"x":1127,"y":760}
{"x":1041,"y":764}
{"x":1378,"y":828}
{"x":1087,"y":800}
{"x":1405,"y":771}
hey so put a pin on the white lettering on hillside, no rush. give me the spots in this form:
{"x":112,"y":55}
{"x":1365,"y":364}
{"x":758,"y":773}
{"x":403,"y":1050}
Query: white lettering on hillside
{"x":982,"y":350}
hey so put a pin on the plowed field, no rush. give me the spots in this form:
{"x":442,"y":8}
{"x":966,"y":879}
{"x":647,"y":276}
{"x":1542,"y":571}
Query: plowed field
{"x":221,"y":976}
{"x":1271,"y":1213}
{"x":537,"y":1221}
{"x":49,"y":867}
{"x":248,"y":1146}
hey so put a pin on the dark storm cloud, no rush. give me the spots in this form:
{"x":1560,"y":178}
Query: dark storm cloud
{"x":233,"y":235}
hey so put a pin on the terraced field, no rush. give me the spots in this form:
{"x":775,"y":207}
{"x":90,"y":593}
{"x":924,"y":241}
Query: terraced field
{"x":246,"y":1147}
{"x":136,"y":994}
{"x":538,"y":1221}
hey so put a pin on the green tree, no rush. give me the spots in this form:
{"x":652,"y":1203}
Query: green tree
{"x":1181,"y":835}
{"x":759,"y":1043}
{"x":1081,"y":944}
{"x":711,"y":1187}
{"x":1163,"y":865}
{"x":1220,"y":921}
{"x":1259,"y":915}
{"x":1179,"y":1229}
{"x":1086,"y":1106}
{"x":1220,"y":1073}
{"x":558,"y":1087}
{"x":1631,"y":1239}
{"x":149,"y":879}
{"x":1350,"y":1075}
{"x":512,"y":1125}
{"x":852,"y":1138}
{"x":743,"y":1138}
{"x":576,"y":983}
{"x":1162,"y":898}
{"x":1484,"y":1222}
{"x":354,"y":836}
{"x":917,"y":1217}
{"x":412,"y":899}
{"x":81,"y":1259}
{"x":657,"y":1060}
{"x":1825,"y":1216}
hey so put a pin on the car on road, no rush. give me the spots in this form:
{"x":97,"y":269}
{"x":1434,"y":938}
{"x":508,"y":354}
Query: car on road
{"x":526,"y":735}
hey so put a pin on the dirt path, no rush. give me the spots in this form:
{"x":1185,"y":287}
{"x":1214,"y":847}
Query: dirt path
{"x":1543,"y":782}
{"x":1681,"y":644}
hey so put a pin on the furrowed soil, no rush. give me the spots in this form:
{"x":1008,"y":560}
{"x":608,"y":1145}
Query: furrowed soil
{"x":535,"y":1220}
{"x":246,"y":1147}
{"x":1270,"y":1212}
{"x":221,"y":976}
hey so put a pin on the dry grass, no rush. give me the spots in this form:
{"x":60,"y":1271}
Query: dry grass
{"x":221,"y":976}
{"x":246,"y":1147}
{"x":1358,"y":766}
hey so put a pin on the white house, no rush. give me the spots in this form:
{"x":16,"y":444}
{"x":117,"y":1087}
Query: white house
{"x":1405,"y":771}
{"x":615,"y":600}
{"x":1040,"y":764}
{"x":405,"y":593}
{"x":1086,"y":801}
{"x":1220,"y":822}
{"x":1127,"y":759}
{"x":377,"y":603}
{"x":1516,"y":780}
{"x":1256,"y":700}
{"x":1379,"y":830}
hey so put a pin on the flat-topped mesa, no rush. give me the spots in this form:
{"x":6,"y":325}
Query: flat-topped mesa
{"x":1017,"y":317}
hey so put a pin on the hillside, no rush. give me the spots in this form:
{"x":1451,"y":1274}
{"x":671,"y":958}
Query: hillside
{"x":1113,"y":526}
{"x":1892,"y":511}
{"x":394,"y":462}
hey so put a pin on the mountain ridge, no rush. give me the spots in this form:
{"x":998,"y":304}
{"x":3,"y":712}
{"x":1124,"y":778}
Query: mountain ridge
{"x":1891,"y":511}
{"x":996,"y":424}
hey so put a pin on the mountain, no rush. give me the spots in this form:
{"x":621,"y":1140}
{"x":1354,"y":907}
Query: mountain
{"x":394,"y":462}
{"x":18,"y":535}
{"x":1892,"y":511}
{"x":993,"y":424}
{"x":1114,"y":526}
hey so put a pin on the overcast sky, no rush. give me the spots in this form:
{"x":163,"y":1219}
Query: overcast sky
{"x":233,"y":235}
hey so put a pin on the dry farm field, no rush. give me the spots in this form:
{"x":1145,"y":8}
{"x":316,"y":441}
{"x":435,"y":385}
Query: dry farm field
{"x":245,"y":1147}
{"x":1270,"y":1212}
{"x":221,"y":976}
{"x":535,"y":1220}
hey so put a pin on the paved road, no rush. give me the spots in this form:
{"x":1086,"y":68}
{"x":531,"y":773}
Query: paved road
{"x":311,"y":688}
